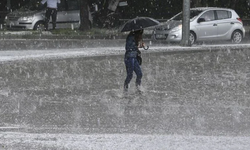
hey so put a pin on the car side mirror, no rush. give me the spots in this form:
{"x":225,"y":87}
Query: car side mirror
{"x":201,"y":20}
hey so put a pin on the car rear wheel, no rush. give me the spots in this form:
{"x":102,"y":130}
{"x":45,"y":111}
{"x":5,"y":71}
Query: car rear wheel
{"x":192,"y":38}
{"x":39,"y":26}
{"x":237,"y":37}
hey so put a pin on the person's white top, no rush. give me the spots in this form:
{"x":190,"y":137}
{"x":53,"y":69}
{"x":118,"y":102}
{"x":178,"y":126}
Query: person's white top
{"x":51,"y":3}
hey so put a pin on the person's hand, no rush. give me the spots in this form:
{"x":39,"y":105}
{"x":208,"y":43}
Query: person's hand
{"x":141,"y":45}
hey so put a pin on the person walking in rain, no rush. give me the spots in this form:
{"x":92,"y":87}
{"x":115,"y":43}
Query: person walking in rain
{"x":133,"y":43}
{"x":51,"y":11}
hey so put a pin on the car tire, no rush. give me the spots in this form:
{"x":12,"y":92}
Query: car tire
{"x":237,"y":37}
{"x":192,"y":38}
{"x":39,"y":26}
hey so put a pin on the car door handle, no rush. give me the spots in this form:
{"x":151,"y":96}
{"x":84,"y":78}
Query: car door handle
{"x":215,"y":24}
{"x":232,"y":23}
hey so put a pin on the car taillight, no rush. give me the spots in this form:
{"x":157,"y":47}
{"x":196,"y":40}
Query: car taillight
{"x":239,"y":20}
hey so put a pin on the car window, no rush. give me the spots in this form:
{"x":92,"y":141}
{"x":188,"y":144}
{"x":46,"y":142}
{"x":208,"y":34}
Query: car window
{"x":69,"y":5}
{"x":62,"y":5}
{"x":178,"y":17}
{"x":193,"y":14}
{"x":73,"y":5}
{"x":223,"y":14}
{"x":208,"y":16}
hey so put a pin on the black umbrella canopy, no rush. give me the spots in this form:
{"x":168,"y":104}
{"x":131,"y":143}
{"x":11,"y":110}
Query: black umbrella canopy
{"x":139,"y":23}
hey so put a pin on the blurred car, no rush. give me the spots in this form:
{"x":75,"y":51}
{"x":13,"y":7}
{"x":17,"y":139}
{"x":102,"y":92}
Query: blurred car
{"x":31,"y":17}
{"x":206,"y":24}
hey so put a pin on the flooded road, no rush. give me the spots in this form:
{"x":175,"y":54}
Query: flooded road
{"x":194,"y":98}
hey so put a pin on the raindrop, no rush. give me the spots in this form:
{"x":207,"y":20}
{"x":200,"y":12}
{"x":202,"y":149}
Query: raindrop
{"x":98,"y":121}
{"x":96,"y":7}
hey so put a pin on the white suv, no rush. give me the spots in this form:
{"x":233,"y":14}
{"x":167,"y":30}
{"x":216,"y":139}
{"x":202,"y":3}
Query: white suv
{"x":206,"y":24}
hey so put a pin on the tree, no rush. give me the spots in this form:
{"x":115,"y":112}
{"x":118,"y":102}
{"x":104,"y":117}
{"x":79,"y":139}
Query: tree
{"x":185,"y":23}
{"x":84,"y":16}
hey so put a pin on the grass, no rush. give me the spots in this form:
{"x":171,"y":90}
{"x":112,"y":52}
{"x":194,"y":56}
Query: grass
{"x":93,"y":31}
{"x":68,"y":31}
{"x":62,"y":33}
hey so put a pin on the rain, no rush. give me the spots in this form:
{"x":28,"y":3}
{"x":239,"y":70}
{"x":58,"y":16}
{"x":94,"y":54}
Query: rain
{"x":62,"y":91}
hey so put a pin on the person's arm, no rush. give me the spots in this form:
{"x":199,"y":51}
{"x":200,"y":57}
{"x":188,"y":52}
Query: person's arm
{"x":43,"y":1}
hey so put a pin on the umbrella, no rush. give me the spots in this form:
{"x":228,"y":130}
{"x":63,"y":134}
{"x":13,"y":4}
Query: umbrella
{"x":139,"y":23}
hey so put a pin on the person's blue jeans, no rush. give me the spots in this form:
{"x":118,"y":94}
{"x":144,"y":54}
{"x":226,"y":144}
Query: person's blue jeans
{"x":132,"y":65}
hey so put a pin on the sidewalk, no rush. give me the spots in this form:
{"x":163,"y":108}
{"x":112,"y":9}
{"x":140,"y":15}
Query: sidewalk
{"x":28,"y":141}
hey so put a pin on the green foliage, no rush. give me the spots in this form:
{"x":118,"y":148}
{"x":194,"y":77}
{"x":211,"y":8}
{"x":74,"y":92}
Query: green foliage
{"x":67,"y":33}
{"x":91,"y":32}
{"x":164,"y":9}
{"x":153,"y":8}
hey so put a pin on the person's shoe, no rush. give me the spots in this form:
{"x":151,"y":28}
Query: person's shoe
{"x":138,"y":90}
{"x":125,"y":87}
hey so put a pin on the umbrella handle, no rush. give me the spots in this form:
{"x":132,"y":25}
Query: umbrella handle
{"x":146,"y":48}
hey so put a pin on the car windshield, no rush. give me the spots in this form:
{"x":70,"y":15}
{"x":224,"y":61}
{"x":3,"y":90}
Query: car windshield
{"x":193,"y":14}
{"x":32,"y":5}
